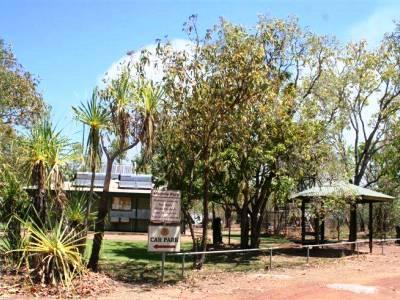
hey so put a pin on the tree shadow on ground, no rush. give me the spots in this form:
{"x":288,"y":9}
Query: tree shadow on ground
{"x":140,"y":266}
{"x":139,"y":272}
{"x":132,"y":251}
{"x":317,"y":252}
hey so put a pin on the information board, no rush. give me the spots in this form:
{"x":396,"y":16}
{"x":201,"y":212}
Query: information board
{"x":165,"y":207}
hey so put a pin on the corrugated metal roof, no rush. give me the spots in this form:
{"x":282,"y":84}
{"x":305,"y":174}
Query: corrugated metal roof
{"x":114,"y":188}
{"x":342,"y":189}
{"x":126,"y":182}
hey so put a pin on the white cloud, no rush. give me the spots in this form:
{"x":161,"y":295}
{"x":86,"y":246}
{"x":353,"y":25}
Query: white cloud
{"x":152,"y":72}
{"x":376,"y":25}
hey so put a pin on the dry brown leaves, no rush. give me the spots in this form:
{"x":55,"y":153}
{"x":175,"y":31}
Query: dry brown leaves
{"x":89,"y":285}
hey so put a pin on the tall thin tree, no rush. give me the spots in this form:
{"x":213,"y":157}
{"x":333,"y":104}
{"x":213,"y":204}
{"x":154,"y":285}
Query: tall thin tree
{"x":96,"y":117}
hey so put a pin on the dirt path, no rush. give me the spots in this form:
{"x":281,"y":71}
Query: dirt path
{"x":367,"y":277}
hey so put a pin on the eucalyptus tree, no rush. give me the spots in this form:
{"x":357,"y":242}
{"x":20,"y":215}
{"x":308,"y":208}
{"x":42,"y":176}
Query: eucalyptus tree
{"x":20,"y":102}
{"x":365,"y":83}
{"x":235,"y":103}
{"x":206,"y":86}
{"x":95,"y":115}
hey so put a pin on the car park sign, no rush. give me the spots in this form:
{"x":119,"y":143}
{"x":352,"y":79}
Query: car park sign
{"x":164,"y":233}
{"x":164,"y":238}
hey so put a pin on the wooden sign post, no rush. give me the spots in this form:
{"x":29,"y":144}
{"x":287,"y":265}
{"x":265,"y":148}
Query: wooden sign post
{"x":164,"y":233}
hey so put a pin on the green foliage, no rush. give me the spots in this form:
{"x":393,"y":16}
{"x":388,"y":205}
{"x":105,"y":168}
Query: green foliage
{"x":45,"y":144}
{"x":95,"y":115}
{"x":51,"y":255}
{"x":132,"y":114}
{"x":20,"y":103}
{"x":237,"y":119}
{"x":45,"y":153}
{"x":75,"y":209}
{"x":13,"y":204}
{"x":337,"y":203}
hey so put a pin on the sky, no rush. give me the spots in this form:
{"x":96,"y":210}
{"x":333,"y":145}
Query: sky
{"x":70,"y":44}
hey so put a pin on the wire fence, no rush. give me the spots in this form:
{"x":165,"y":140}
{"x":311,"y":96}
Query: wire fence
{"x":302,"y":250}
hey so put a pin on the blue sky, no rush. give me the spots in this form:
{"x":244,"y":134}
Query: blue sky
{"x":68,"y":45}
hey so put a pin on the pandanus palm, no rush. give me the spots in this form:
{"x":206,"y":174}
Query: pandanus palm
{"x":45,"y":152}
{"x":148,"y":98}
{"x":95,"y":115}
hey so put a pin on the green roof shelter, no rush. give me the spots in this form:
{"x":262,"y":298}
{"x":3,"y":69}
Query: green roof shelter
{"x":337,"y":189}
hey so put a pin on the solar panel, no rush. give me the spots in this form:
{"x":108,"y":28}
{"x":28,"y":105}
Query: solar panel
{"x":131,"y":181}
{"x":126,"y":181}
{"x":135,"y":185}
{"x":135,"y":177}
{"x":84,"y":179}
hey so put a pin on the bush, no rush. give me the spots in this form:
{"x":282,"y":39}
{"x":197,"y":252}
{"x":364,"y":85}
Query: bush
{"x":51,"y":255}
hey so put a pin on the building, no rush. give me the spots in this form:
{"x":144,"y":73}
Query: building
{"x":129,"y":198}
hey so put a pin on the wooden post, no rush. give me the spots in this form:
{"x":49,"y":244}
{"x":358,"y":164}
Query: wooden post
{"x":323,"y":231}
{"x":322,"y":227}
{"x":303,"y":221}
{"x":317,"y":230}
{"x":353,"y":224}
{"x":370,"y":227}
{"x":162,"y":266}
{"x":229,"y":231}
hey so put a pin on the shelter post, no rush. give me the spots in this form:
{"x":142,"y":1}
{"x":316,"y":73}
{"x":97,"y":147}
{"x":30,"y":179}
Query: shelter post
{"x":323,"y":230}
{"x":353,"y":224}
{"x":303,"y":221}
{"x":317,"y":230}
{"x":370,"y":226}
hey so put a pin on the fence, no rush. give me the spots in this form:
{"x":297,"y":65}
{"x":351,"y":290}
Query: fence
{"x":270,"y":251}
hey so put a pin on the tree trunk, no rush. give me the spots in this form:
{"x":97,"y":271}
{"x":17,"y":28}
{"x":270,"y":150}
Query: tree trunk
{"x":39,"y":199}
{"x":256,"y":223}
{"x":91,"y":195}
{"x":228,"y":216}
{"x":195,"y":246}
{"x":353,"y":224}
{"x":353,"y":215}
{"x":189,"y":221}
{"x":13,"y":230}
{"x":89,"y":201}
{"x":244,"y":228}
{"x":100,"y":221}
{"x":338,"y":229}
{"x":204,"y":236}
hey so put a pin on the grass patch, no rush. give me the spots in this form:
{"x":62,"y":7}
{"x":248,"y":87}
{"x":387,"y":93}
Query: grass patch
{"x":129,"y":261}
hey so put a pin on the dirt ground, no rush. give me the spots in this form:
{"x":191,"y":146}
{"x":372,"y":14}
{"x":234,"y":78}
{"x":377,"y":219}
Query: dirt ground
{"x":368,"y":276}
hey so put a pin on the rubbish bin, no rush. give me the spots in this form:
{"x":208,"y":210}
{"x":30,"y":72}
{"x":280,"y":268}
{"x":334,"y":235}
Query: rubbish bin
{"x":398,"y":234}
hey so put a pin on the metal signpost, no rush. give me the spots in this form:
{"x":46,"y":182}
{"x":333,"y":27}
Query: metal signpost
{"x":164,"y":229}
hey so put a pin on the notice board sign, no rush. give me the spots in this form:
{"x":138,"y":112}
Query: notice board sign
{"x":164,"y":238}
{"x":165,"y":207}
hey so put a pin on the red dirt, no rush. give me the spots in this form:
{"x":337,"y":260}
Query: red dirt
{"x":305,"y":282}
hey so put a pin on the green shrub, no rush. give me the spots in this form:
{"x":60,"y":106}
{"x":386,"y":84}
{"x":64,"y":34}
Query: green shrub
{"x":51,"y":255}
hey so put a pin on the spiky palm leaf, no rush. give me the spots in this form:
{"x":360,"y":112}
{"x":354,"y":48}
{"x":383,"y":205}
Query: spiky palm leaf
{"x":45,"y":153}
{"x":54,"y":253}
{"x":148,"y":97}
{"x":95,"y":115}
